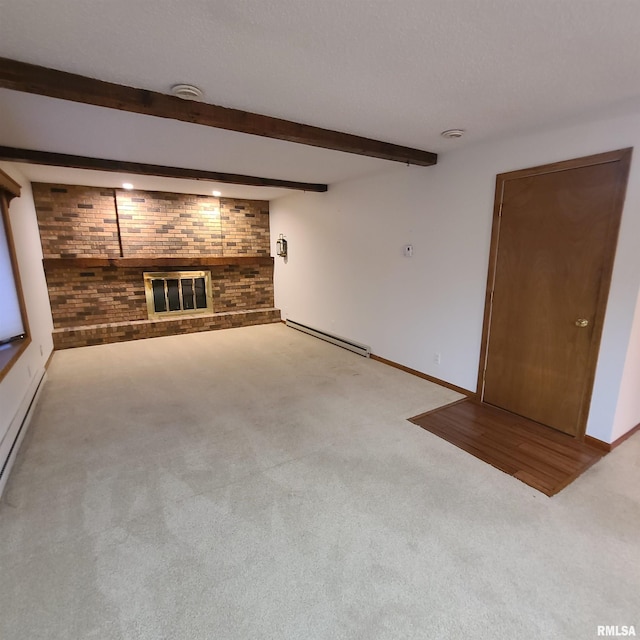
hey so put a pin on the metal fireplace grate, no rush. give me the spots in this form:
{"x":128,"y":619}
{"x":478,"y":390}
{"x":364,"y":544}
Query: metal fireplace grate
{"x":176,"y":293}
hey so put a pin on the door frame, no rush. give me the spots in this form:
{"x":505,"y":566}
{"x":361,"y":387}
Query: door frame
{"x":623,"y":156}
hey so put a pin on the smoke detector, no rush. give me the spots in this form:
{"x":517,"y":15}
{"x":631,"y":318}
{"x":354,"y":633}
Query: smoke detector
{"x":187,"y":92}
{"x":452,"y":133}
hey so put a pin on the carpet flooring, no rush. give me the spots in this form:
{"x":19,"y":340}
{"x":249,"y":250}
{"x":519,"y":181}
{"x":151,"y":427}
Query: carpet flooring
{"x":545,"y":459}
{"x":258,"y":483}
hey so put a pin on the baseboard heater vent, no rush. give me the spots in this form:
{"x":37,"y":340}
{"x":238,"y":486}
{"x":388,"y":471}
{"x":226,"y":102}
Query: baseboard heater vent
{"x":5,"y":466}
{"x":360,"y":349}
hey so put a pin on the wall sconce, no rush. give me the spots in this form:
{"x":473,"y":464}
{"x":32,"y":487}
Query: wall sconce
{"x":281,"y":246}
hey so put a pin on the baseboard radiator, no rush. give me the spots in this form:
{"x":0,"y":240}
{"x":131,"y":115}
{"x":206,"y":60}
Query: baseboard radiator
{"x":360,"y":349}
{"x":10,"y":444}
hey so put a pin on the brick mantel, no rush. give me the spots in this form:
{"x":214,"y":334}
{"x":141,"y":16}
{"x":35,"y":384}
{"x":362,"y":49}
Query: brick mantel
{"x":154,"y":261}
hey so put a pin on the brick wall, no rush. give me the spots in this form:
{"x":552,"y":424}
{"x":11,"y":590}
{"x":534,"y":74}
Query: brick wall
{"x":137,"y":329}
{"x":245,"y":227}
{"x":91,"y":296}
{"x":76,"y":222}
{"x":82,"y":222}
{"x":170,"y":224}
{"x":88,"y":296}
{"x":242,"y":287}
{"x":96,"y":304}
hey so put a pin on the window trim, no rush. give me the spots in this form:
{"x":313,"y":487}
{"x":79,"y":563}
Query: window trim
{"x":10,"y":189}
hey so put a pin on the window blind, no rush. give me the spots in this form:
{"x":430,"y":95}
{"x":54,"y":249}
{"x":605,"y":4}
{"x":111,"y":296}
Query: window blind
{"x":11,"y":326}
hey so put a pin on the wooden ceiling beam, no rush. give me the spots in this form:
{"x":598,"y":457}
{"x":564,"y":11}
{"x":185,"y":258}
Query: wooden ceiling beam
{"x":31,"y":156}
{"x":29,"y":78}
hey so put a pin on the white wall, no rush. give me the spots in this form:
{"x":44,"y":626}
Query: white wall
{"x":346,"y":272}
{"x":628,"y":409}
{"x":19,"y":385}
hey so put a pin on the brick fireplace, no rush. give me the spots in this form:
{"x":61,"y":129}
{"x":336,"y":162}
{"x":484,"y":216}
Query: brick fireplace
{"x":98,"y":244}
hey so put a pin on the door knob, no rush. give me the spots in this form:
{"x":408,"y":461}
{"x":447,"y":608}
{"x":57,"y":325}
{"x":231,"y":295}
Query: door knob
{"x":582,"y":322}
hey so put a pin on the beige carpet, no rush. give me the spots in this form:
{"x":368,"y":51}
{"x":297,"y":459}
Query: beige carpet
{"x":262,"y":484}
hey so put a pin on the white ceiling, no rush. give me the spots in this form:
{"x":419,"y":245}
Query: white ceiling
{"x":399,"y":71}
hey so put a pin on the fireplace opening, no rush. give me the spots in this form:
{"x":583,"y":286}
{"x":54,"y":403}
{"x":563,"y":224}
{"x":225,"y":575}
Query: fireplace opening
{"x":176,"y":293}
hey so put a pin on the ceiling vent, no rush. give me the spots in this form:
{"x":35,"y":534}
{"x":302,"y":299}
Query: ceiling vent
{"x":187,"y":92}
{"x":452,"y":133}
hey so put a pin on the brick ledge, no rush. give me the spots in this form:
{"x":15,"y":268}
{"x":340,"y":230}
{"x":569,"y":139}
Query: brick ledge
{"x":81,"y":336}
{"x":197,"y":316}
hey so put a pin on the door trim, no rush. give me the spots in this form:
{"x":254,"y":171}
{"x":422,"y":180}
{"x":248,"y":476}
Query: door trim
{"x":623,"y":156}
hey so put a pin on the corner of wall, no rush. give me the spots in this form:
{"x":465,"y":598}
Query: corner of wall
{"x":627,"y":414}
{"x":21,"y":383}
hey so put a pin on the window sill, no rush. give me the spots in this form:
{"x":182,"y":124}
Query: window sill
{"x":9,"y":355}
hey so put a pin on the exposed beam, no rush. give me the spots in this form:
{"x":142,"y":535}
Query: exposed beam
{"x":81,"y":162}
{"x":20,"y":76}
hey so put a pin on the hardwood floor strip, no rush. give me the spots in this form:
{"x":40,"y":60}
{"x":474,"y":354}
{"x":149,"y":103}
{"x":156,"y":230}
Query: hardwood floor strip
{"x":499,"y":438}
{"x":551,"y":457}
{"x":490,"y":450}
{"x":578,"y":455}
{"x":598,"y":444}
{"x":498,"y":447}
{"x":469,"y":447}
{"x":535,"y":482}
{"x":532,"y":431}
{"x":481,"y":447}
{"x":426,"y":413}
{"x":545,"y":459}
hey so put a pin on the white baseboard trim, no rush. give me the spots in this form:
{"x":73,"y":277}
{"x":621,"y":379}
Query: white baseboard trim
{"x":18,"y":428}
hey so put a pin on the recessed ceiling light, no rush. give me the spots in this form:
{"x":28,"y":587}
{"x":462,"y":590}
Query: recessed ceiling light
{"x":127,"y":185}
{"x":452,"y":133}
{"x":217,"y":193}
{"x":187,"y":92}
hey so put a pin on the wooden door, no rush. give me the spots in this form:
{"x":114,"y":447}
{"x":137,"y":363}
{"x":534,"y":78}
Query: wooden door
{"x":554,"y":238}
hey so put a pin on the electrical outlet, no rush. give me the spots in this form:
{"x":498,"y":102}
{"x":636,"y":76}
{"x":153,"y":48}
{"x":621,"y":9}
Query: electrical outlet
{"x":436,"y":358}
{"x":408,"y":250}
{"x":41,"y":350}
